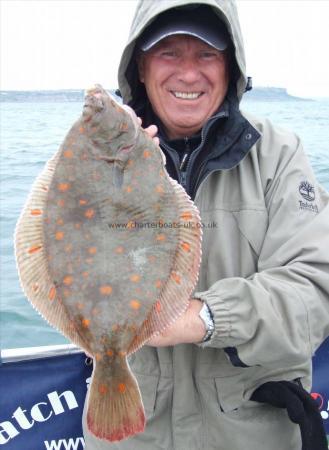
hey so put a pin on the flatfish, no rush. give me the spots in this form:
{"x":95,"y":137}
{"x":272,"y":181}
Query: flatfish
{"x":108,"y":250}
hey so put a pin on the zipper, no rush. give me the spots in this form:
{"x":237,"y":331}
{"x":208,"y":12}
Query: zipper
{"x":183,"y":168}
{"x":184,"y":162}
{"x":203,"y":138}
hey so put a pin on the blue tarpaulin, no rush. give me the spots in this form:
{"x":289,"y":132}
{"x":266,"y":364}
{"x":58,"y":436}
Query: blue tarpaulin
{"x":41,"y":400}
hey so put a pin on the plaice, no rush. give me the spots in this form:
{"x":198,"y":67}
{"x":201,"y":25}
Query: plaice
{"x":108,"y":250}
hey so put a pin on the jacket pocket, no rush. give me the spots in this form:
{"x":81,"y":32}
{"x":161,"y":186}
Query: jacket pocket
{"x":229,"y":393}
{"x":148,"y":386}
{"x":252,"y":225}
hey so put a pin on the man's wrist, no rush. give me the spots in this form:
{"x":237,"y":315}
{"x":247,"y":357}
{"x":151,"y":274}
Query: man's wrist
{"x":206,"y":316}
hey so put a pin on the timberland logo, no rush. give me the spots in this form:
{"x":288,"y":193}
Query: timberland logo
{"x":306,"y":190}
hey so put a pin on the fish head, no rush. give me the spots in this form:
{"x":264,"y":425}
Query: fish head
{"x":112,"y":127}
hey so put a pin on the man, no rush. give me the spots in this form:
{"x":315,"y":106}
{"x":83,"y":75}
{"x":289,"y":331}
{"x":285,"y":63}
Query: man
{"x":226,"y":374}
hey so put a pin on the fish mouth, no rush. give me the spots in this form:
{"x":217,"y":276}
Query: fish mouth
{"x":184,"y":95}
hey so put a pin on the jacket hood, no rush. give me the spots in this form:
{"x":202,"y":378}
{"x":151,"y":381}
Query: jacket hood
{"x":146,"y":12}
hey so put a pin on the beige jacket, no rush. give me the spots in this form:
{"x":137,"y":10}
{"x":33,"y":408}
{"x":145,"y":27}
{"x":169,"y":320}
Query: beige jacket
{"x":265,"y":277}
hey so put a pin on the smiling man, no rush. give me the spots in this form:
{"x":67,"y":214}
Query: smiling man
{"x":229,"y":373}
{"x":186,"y":81}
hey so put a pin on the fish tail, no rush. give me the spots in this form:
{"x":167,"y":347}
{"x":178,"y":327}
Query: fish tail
{"x":115,"y":409}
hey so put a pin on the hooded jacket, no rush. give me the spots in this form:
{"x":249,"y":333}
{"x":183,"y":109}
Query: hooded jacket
{"x":264,"y":275}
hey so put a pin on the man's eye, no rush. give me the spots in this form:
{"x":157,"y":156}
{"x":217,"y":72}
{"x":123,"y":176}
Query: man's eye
{"x":169,"y":53}
{"x":208,"y":55}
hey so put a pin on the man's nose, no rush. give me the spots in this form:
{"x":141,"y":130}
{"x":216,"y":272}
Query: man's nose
{"x":189,"y":71}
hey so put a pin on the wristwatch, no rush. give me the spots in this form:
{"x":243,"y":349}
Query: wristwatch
{"x":207,"y":318}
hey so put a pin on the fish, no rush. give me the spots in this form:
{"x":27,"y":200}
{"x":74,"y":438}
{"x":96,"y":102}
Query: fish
{"x":108,"y":250}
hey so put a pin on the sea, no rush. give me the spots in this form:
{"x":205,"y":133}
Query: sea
{"x":31,"y":132}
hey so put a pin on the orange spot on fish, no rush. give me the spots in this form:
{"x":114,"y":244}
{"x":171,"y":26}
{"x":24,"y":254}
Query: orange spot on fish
{"x":130,"y":225}
{"x":135,"y":278}
{"x":68,"y":154}
{"x":106,"y":289}
{"x":85,"y":274}
{"x":81,"y":130}
{"x":92,"y":250}
{"x":121,"y":388}
{"x":176,"y":277}
{"x":158,"y":306}
{"x":135,"y":304}
{"x":186,"y":215}
{"x":129,"y":189}
{"x":77,"y":226}
{"x":130,"y":162}
{"x":158,"y":284}
{"x":60,"y":221}
{"x":85,"y":323}
{"x":63,"y":187}
{"x":34,"y":249}
{"x":98,"y":357}
{"x":161,"y":237}
{"x":61,"y":203}
{"x":161,"y":173}
{"x":89,"y":213}
{"x":110,"y":352}
{"x":68,"y":280}
{"x":146,"y":154}
{"x":119,"y":250}
{"x":159,"y":189}
{"x":59,"y":235}
{"x":115,"y":328}
{"x":36,"y":212}
{"x":82,"y":201}
{"x":124,"y":126}
{"x":52,"y":293}
{"x":103,"y":389}
{"x":186,"y":247}
{"x":122,"y":353}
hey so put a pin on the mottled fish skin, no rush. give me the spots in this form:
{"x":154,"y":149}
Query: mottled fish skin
{"x":120,"y":245}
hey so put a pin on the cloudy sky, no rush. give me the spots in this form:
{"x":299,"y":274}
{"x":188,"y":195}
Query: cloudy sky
{"x":54,"y":44}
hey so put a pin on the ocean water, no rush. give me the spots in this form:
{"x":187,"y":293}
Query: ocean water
{"x":32,"y":132}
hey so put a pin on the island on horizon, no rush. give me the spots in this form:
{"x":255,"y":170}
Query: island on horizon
{"x":258,"y":93}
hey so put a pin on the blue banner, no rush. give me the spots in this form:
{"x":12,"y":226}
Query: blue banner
{"x":41,"y":403}
{"x":41,"y":400}
{"x":320,"y":388}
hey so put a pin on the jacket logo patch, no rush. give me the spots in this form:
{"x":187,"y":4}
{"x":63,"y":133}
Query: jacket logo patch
{"x":306,"y":190}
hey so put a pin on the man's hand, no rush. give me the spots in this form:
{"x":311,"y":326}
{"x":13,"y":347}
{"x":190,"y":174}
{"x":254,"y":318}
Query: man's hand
{"x":187,"y":329}
{"x":152,"y":131}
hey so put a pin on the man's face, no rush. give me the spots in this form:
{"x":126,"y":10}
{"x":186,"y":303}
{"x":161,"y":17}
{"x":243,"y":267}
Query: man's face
{"x":186,"y":81}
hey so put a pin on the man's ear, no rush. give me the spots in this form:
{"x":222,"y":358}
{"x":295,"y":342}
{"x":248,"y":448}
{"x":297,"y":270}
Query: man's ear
{"x":140,"y":65}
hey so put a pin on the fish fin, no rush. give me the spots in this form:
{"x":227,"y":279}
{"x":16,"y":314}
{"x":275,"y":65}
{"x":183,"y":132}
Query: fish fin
{"x":115,"y":410}
{"x":175,"y":295}
{"x":31,"y":258}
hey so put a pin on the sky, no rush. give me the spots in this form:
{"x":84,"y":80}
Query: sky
{"x":72,"y":44}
